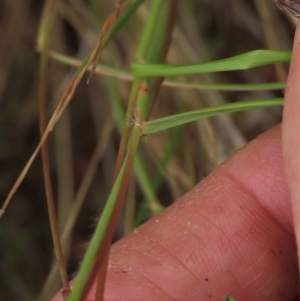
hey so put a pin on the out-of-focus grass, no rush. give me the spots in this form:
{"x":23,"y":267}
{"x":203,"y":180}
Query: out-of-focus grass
{"x":203,"y":33}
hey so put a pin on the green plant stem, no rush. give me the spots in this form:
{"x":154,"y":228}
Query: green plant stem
{"x":139,"y":93}
{"x":141,"y":53}
{"x":127,"y":125}
{"x":88,"y":263}
{"x":100,"y":243}
{"x":96,"y":256}
{"x":139,"y":167}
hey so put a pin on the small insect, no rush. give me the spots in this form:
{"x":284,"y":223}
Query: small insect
{"x":292,"y":6}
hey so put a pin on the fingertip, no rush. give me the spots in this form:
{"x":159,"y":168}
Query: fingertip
{"x":290,"y":132}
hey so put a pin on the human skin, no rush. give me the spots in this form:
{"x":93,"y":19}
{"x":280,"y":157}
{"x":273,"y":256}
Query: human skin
{"x":233,"y":234}
{"x":290,"y":134}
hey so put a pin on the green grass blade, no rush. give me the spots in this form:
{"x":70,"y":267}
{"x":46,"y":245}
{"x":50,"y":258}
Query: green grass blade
{"x":97,"y":239}
{"x":165,"y":123}
{"x":243,"y":61}
{"x":226,"y":87}
{"x":124,"y":75}
{"x":147,"y":36}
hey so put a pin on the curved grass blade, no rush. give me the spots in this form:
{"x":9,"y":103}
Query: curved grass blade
{"x":243,"y":61}
{"x":226,"y":87}
{"x":165,"y":123}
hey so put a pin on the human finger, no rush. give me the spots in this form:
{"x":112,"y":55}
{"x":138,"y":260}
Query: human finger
{"x":231,"y":235}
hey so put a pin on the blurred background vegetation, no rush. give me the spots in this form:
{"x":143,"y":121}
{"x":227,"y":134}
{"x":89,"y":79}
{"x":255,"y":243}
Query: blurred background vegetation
{"x":206,"y":30}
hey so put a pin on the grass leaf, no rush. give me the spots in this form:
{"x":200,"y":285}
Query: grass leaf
{"x":165,"y":123}
{"x":243,"y":61}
